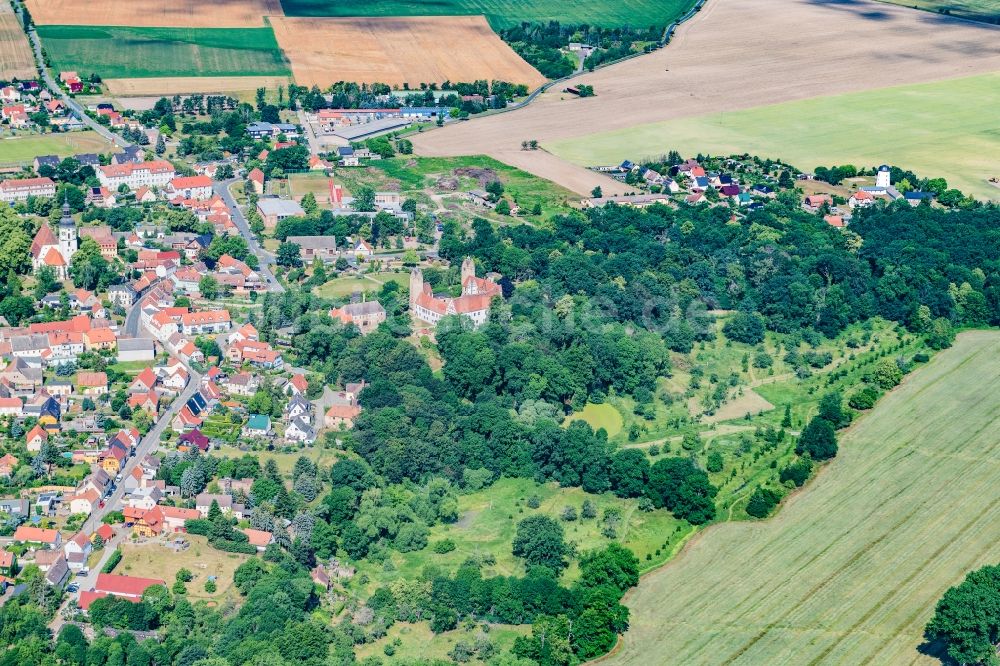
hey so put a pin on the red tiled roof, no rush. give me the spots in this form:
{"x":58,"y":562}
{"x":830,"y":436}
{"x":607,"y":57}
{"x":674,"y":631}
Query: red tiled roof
{"x":124,"y":586}
{"x":35,"y":534}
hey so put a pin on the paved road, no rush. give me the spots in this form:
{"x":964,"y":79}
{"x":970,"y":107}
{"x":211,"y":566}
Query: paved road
{"x":53,"y":86}
{"x":314,"y":145}
{"x":264,"y":258}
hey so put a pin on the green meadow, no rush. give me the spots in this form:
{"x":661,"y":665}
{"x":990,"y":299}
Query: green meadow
{"x":123,"y":52}
{"x":977,"y":10}
{"x":947,"y":129}
{"x":503,"y":14}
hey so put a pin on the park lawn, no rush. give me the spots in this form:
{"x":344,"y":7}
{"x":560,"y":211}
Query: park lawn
{"x":316,"y":182}
{"x":488,"y":521}
{"x":116,"y":52}
{"x":24,"y":148}
{"x":419,"y":643}
{"x":153,"y":560}
{"x":285,"y":460}
{"x":976,"y":10}
{"x":598,"y":416}
{"x":851,"y":569}
{"x":343,"y":287}
{"x":501,"y":13}
{"x":934,"y":129}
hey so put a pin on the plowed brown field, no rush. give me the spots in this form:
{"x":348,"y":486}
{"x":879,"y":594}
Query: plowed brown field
{"x":736,"y":54}
{"x":155,"y":13}
{"x":414,"y":50}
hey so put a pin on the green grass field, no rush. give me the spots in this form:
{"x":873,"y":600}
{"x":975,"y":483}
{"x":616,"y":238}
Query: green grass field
{"x":343,"y":287}
{"x":977,"y":10}
{"x":24,"y":148}
{"x":935,"y":129}
{"x":488,"y":520}
{"x":122,"y":52}
{"x":599,"y":416}
{"x":505,"y":14}
{"x":850,"y":570}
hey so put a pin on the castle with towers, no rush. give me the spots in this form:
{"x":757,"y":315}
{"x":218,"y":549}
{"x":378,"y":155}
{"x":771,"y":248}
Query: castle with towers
{"x":47,"y":250}
{"x":474,"y":303}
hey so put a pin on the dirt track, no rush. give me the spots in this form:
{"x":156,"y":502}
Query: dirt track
{"x":157,"y":13}
{"x":734,"y":54}
{"x":414,"y":50}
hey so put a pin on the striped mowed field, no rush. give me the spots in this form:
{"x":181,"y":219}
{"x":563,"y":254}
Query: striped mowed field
{"x":850,"y":569}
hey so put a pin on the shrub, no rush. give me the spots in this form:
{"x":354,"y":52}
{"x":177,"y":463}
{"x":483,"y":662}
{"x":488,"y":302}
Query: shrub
{"x":534,"y":502}
{"x":864,"y":398}
{"x":798,"y":472}
{"x":745,"y":327}
{"x":444,"y":546}
{"x":568,"y":514}
{"x":762,"y":502}
{"x":112,"y":562}
{"x":714,"y":463}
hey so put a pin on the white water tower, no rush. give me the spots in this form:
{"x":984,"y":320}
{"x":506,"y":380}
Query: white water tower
{"x":882,"y":180}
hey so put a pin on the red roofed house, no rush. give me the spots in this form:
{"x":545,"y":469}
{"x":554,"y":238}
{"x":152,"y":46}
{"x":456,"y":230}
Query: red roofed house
{"x":835,"y":221}
{"x":814,"y":202}
{"x":861,"y":199}
{"x":342,"y":415}
{"x":149,"y":402}
{"x":105,"y":531}
{"x":256,"y":176}
{"x":297,"y":385}
{"x":20,"y":189}
{"x":151,"y":174}
{"x":474,"y":303}
{"x":143,"y":382}
{"x":100,"y":338}
{"x":125,"y":587}
{"x":92,"y":383}
{"x":174,"y":517}
{"x":189,"y":187}
{"x":258,"y":538}
{"x":35,"y":438}
{"x":28,"y":534}
{"x":11,"y":407}
{"x":205,"y":322}
{"x":7,"y":465}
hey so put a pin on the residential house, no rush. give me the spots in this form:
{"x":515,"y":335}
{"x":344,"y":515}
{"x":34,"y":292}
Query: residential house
{"x":189,"y":187}
{"x":861,"y":199}
{"x":77,"y":549}
{"x":299,"y":407}
{"x":297,"y":385}
{"x":341,"y":414}
{"x":174,"y":518}
{"x":203,"y":503}
{"x":92,"y":383}
{"x":813,"y":202}
{"x":97,"y":339}
{"x":84,"y":502}
{"x":145,"y":523}
{"x":205,"y":322}
{"x":242,"y":383}
{"x":35,"y":438}
{"x":8,"y":464}
{"x":11,"y":407}
{"x":258,"y":538}
{"x":8,"y":564}
{"x":194,"y":439}
{"x":36,"y":535}
{"x":299,"y":430}
{"x":256,"y":178}
{"x":122,"y":295}
{"x":258,"y":425}
{"x":124,"y":587}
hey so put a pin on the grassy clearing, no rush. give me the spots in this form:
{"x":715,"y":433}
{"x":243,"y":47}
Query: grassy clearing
{"x":504,"y":14}
{"x":285,"y":460}
{"x":24,"y":148}
{"x":156,"y":561}
{"x":976,"y":10}
{"x":520,"y":187}
{"x":488,"y":520}
{"x":934,"y":129}
{"x":599,"y":416}
{"x":850,"y":570}
{"x":418,"y":642}
{"x":122,"y":52}
{"x":343,"y":287}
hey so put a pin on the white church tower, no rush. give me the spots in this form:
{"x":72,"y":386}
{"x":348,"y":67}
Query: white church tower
{"x":882,"y":177}
{"x":67,"y":234}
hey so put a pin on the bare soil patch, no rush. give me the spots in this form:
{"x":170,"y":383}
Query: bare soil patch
{"x":176,"y":85}
{"x":16,"y":59}
{"x":155,"y":13}
{"x":735,"y":54}
{"x":414,"y":50}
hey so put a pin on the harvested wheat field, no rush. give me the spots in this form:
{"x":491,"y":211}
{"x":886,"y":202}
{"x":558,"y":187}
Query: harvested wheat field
{"x":155,"y":13}
{"x":849,"y":571}
{"x":177,"y":85}
{"x":16,"y":59}
{"x":738,"y":54}
{"x":414,"y":50}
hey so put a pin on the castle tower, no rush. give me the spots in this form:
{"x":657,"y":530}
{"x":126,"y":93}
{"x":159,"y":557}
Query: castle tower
{"x":468,"y":269}
{"x":416,"y":285}
{"x":67,"y":233}
{"x":883,"y":177}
